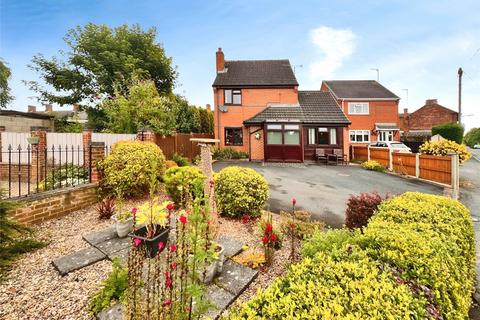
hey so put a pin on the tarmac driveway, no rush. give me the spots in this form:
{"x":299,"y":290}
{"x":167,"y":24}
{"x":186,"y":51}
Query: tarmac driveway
{"x":323,"y":190}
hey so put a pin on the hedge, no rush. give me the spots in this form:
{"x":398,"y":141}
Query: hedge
{"x":449,"y":131}
{"x":414,"y":260}
{"x":472,"y":137}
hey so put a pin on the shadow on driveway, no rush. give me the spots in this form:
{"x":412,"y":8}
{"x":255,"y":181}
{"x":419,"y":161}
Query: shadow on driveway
{"x":323,"y":190}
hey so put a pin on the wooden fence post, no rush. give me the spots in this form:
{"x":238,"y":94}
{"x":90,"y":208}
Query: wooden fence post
{"x":368,"y":152}
{"x":455,"y":175}
{"x":417,"y":165}
{"x":390,"y":160}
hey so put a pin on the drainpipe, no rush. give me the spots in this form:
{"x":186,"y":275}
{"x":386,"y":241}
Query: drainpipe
{"x":218,"y":120}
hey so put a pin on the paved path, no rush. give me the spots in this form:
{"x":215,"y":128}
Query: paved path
{"x":323,"y":190}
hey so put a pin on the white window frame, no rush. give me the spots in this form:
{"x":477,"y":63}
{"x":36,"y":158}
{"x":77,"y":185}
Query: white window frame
{"x":333,"y":136}
{"x":388,"y":135}
{"x":356,"y":133}
{"x":365,"y":108}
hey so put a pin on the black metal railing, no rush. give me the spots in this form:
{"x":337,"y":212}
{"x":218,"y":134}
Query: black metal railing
{"x":33,"y":169}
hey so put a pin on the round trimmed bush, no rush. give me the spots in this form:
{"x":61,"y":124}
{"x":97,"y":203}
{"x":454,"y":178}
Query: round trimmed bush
{"x":240,"y":191}
{"x":183,"y":182}
{"x":444,"y":147}
{"x":128,"y":168}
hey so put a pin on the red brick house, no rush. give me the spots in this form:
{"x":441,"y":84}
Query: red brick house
{"x":418,"y":124}
{"x":258,"y":109}
{"x":371,"y":108}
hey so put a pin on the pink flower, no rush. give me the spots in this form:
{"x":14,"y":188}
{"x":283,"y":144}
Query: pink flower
{"x":134,"y":211}
{"x":183,"y":219}
{"x":273,"y":237}
{"x":265,"y":239}
{"x":137,"y":242}
{"x":167,"y":302}
{"x":294,"y":201}
{"x":173,"y":265}
{"x":212,"y":183}
{"x":161,"y":245}
{"x":170,"y":206}
{"x":167,"y":274}
{"x":268,"y":228}
{"x":168,"y":283}
{"x":173,"y":247}
{"x":245,"y":218}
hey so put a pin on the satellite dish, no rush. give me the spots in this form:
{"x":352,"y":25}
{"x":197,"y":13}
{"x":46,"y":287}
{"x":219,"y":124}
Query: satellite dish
{"x":223,"y":108}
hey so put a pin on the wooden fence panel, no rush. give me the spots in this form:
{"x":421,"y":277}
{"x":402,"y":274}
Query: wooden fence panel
{"x":380,"y":155}
{"x":111,"y":138}
{"x":404,"y":163}
{"x":436,"y":168}
{"x":360,"y":153}
{"x":167,"y":144}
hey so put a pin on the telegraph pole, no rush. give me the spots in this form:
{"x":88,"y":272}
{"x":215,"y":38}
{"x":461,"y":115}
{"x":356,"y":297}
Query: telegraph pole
{"x":460,"y":74}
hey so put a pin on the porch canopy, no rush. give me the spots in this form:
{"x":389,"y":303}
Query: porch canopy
{"x":386,"y":127}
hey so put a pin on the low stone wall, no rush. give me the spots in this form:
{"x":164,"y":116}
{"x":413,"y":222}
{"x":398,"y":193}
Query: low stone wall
{"x":53,"y":204}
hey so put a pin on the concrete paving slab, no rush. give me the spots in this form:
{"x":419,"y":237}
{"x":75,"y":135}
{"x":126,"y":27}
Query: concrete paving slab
{"x":78,"y":260}
{"x":231,"y":246}
{"x":97,"y":237}
{"x":113,"y":313}
{"x":235,"y":277}
{"x":113,"y":245}
{"x":220,"y":298}
{"x":122,"y":254}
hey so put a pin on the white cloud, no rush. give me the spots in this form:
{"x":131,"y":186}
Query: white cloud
{"x":334,"y":46}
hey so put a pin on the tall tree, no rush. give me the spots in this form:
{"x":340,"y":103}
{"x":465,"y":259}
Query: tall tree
{"x":187,"y":119}
{"x":5,"y":96}
{"x":141,"y":107}
{"x":101,"y":61}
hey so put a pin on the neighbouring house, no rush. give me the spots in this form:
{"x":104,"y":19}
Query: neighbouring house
{"x":417,"y":126}
{"x":371,"y":108}
{"x":18,"y":121}
{"x":259,"y":110}
{"x":75,"y":115}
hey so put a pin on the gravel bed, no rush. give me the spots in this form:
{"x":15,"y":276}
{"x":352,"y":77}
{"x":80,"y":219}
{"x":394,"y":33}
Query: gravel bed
{"x":35,"y":290}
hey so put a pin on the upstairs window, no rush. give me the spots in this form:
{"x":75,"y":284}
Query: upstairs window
{"x":233,"y":136}
{"x":358,"y":108}
{"x":233,"y":96}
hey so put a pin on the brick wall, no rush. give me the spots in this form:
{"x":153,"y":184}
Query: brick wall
{"x":427,"y":117}
{"x":53,"y":204}
{"x":15,"y":123}
{"x":256,"y":148}
{"x":15,"y":174}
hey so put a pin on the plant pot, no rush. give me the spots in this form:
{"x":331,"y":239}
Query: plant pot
{"x":151,"y":244}
{"x":221,"y":259}
{"x":33,"y":140}
{"x":214,"y":267}
{"x":123,"y":227}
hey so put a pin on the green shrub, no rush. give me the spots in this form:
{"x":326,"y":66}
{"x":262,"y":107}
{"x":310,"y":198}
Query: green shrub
{"x":472,"y":137}
{"x":113,"y":288}
{"x":68,"y":176}
{"x":415,"y":259}
{"x":183,"y":182}
{"x":373,"y":166}
{"x":180,"y":160}
{"x":240,"y":191}
{"x":128,"y":167}
{"x":227,"y":154}
{"x":449,"y":131}
{"x":341,"y":284}
{"x":444,"y":147}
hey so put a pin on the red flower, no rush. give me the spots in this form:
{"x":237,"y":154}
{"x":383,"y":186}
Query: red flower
{"x":137,"y":242}
{"x":168,"y":283}
{"x":167,"y":274}
{"x":167,"y":302}
{"x":134,"y":211}
{"x":173,"y":265}
{"x":245,"y":218}
{"x":173,"y":247}
{"x":273,"y":237}
{"x":183,"y":219}
{"x":161,"y":245}
{"x":212,"y":183}
{"x":170,"y":206}
{"x":268,"y":228}
{"x":265,"y":239}
{"x":294,"y":201}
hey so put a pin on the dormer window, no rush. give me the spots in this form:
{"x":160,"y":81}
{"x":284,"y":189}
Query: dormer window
{"x":233,"y":96}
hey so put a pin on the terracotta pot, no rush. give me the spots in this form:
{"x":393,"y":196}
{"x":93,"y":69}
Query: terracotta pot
{"x":151,"y":244}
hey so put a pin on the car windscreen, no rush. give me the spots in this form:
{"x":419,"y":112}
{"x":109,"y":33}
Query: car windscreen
{"x":399,"y":145}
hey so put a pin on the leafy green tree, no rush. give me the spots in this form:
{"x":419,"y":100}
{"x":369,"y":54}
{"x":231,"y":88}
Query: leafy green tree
{"x":5,"y":74}
{"x":100,"y":62}
{"x":206,"y":120}
{"x":187,"y":119}
{"x":141,"y":107}
{"x":472,"y":137}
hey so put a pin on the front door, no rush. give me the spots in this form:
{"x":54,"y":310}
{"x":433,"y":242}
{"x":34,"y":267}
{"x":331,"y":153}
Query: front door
{"x":283,"y":143}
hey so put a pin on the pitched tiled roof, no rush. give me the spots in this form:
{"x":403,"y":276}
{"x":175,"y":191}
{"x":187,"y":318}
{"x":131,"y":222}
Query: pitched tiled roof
{"x":359,"y":89}
{"x":256,"y":73}
{"x":314,"y":107}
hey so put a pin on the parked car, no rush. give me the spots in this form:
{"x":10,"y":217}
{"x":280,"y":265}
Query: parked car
{"x":395,"y":146}
{"x":477,"y":146}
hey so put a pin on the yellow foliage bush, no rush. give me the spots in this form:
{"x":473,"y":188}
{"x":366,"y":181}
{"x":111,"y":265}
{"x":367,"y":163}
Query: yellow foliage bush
{"x":183,"y":182}
{"x":170,"y":164}
{"x":129,"y":165}
{"x":240,"y":191}
{"x":444,"y":147}
{"x":373,"y":165}
{"x":414,"y":260}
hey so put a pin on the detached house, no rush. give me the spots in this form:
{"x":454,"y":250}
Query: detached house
{"x":372,"y":109}
{"x":259,"y":109}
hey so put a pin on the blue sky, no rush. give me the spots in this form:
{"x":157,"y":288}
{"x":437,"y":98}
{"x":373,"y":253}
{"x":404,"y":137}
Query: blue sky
{"x":417,"y":45}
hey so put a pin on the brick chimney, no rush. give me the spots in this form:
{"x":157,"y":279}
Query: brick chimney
{"x":209,"y":107}
{"x":48,"y":108}
{"x":32,"y":109}
{"x":429,"y":102}
{"x":76,"y":107}
{"x":220,"y":60}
